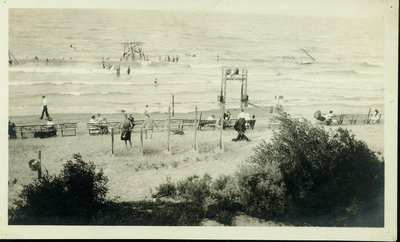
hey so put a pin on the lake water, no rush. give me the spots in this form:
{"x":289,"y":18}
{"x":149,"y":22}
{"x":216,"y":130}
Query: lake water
{"x":349,"y":55}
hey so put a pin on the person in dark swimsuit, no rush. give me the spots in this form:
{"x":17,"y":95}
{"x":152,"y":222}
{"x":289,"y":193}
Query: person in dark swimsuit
{"x":126,"y":130}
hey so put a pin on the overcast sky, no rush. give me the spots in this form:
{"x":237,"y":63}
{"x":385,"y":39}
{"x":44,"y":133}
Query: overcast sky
{"x":358,"y":8}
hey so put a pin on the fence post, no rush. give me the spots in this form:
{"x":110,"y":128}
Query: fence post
{"x":40,"y":164}
{"x":112,"y":140}
{"x":141,"y":141}
{"x":173,"y":105}
{"x":196,"y":148}
{"x":169,"y":130}
{"x":369,"y":111}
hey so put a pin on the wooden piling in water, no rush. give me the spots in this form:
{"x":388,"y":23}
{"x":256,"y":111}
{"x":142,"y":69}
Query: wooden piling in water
{"x":367,"y":120}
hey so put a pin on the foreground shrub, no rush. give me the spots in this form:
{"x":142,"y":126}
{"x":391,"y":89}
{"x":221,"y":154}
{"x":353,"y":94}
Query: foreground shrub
{"x":73,"y":196}
{"x":307,"y":172}
{"x":216,"y":200}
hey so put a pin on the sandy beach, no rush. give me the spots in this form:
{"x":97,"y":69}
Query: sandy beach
{"x":133,"y":176}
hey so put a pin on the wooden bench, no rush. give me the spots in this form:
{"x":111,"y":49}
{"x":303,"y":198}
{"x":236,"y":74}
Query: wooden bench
{"x":38,"y":131}
{"x":68,"y":127}
{"x":207,"y":123}
{"x":98,"y":128}
{"x":370,"y":119}
{"x":116,"y":125}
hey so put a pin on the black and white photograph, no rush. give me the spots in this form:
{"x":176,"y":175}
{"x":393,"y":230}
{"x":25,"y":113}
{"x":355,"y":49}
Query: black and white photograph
{"x":232,"y":119}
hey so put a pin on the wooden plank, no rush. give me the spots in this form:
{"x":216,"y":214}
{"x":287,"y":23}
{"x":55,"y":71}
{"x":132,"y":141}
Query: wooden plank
{"x":68,"y":127}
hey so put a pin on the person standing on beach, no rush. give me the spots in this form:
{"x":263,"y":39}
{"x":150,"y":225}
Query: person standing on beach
{"x":12,"y":133}
{"x":118,"y":70}
{"x":128,"y":71}
{"x":132,"y":120}
{"x":146,"y":110}
{"x":148,"y":125}
{"x":329,"y":118}
{"x":242,"y":114}
{"x":253,"y":121}
{"x":126,"y":131}
{"x":44,"y":101}
{"x":375,"y":117}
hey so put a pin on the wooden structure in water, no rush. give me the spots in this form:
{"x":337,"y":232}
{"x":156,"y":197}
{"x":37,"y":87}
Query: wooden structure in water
{"x":11,"y":58}
{"x":302,"y":60}
{"x":233,"y":74}
{"x":133,"y":51}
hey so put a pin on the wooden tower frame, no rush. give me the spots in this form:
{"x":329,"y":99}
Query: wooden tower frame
{"x":132,"y":48}
{"x":230,"y":74}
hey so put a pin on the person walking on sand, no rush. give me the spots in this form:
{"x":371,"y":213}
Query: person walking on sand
{"x":44,"y":102}
{"x":148,"y":125}
{"x":126,"y":131}
{"x":128,"y":71}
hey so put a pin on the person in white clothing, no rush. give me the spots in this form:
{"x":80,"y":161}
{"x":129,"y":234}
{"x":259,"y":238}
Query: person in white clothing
{"x":375,"y":117}
{"x":242,"y":114}
{"x":329,"y":117}
{"x":44,"y":101}
{"x":51,"y":125}
{"x":93,"y":120}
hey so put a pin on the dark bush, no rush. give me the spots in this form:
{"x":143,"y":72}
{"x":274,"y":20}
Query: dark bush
{"x":194,"y":188}
{"x":216,"y":200}
{"x":306,"y":172}
{"x":73,"y":196}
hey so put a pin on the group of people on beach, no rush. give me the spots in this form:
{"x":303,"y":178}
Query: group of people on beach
{"x":329,"y":118}
{"x":100,"y":122}
{"x":105,"y":63}
{"x":168,"y":58}
{"x":128,"y":124}
{"x":243,"y":123}
{"x":240,"y":126}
